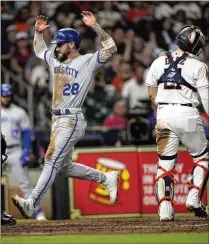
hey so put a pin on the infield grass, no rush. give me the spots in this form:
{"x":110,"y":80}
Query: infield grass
{"x":171,"y":238}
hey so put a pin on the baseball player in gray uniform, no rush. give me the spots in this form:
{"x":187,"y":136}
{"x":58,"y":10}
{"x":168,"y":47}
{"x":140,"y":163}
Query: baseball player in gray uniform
{"x":17,"y":130}
{"x":72,"y":75}
{"x":176,"y":81}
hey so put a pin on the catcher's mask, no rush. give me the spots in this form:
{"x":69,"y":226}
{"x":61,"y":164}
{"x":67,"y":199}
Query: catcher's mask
{"x":191,"y":39}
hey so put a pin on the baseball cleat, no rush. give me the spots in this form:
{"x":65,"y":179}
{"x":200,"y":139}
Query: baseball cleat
{"x":167,"y":219}
{"x":166,"y":211}
{"x":25,"y":207}
{"x":7,"y":219}
{"x":41,"y":216}
{"x":111,"y":183}
{"x":198,"y":211}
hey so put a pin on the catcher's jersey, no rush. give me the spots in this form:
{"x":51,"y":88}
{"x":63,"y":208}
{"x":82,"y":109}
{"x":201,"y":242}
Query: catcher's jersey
{"x":13,"y":120}
{"x":71,"y":79}
{"x":192,"y":70}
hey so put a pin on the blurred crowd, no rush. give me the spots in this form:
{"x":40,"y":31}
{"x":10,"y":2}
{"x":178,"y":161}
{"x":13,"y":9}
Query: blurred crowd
{"x":118,"y":98}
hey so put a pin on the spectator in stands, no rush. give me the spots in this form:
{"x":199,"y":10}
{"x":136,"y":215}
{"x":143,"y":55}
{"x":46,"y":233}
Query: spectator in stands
{"x":50,"y":6}
{"x":193,"y":10}
{"x":22,"y":53}
{"x":108,"y":16}
{"x":137,"y":50}
{"x":65,"y":15}
{"x":138,"y":10}
{"x":134,"y":90}
{"x":138,"y":47}
{"x":32,"y":62}
{"x":165,"y":36}
{"x":129,"y":40}
{"x":21,"y":20}
{"x":146,"y":57}
{"x":40,"y":83}
{"x":34,"y":10}
{"x":119,"y":37}
{"x":124,"y":8}
{"x":163,"y":10}
{"x":203,"y":23}
{"x":99,"y":101}
{"x":115,"y":126}
{"x":40,"y":77}
{"x":87,"y":36}
{"x":8,"y":13}
{"x":11,"y":33}
{"x":112,"y":69}
{"x":179,"y":20}
{"x":117,"y":119}
{"x":5,"y":50}
{"x":8,"y":45}
{"x":124,"y":73}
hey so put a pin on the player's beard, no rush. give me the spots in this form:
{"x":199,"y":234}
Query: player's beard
{"x":6,"y":101}
{"x":6,"y":105}
{"x":62,"y":57}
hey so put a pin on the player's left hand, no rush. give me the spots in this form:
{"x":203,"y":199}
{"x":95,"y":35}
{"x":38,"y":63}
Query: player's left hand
{"x":88,"y":18}
{"x":25,"y":158}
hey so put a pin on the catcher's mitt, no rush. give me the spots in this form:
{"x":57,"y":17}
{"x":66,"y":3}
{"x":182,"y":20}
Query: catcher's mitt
{"x":3,"y":149}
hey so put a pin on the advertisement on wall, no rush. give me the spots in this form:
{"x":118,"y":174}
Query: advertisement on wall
{"x":137,"y":168}
{"x":92,"y":198}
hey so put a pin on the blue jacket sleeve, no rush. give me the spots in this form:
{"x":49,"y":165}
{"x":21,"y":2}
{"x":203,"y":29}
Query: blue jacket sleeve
{"x":26,"y":140}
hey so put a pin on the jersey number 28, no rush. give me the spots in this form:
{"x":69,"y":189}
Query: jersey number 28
{"x":70,"y":89}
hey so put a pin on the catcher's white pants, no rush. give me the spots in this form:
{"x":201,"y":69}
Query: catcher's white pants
{"x":66,"y":131}
{"x":177,"y":123}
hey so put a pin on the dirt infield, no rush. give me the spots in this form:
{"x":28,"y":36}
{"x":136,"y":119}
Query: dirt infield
{"x":106,"y":226}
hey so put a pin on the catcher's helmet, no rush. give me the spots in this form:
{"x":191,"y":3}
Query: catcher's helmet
{"x":6,"y":90}
{"x":191,"y":39}
{"x":67,"y":35}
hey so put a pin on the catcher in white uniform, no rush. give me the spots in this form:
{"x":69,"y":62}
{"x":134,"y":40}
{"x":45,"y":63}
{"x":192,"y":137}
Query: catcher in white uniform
{"x":175,"y":81}
{"x":72,"y":79}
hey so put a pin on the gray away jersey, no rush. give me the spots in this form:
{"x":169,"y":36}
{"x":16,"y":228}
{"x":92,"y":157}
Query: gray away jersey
{"x":72,"y":79}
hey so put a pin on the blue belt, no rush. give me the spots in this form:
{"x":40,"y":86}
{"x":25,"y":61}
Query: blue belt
{"x":64,"y":111}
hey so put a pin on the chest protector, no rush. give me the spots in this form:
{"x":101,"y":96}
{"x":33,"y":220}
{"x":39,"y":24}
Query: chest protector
{"x":172,"y":73}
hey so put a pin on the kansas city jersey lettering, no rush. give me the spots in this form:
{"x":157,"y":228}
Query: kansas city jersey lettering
{"x":66,"y":70}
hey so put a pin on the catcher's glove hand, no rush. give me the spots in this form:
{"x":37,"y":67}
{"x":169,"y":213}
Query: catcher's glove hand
{"x":3,"y":149}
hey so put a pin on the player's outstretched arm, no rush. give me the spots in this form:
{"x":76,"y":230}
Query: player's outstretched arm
{"x":38,"y":42}
{"x":109,"y":47}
